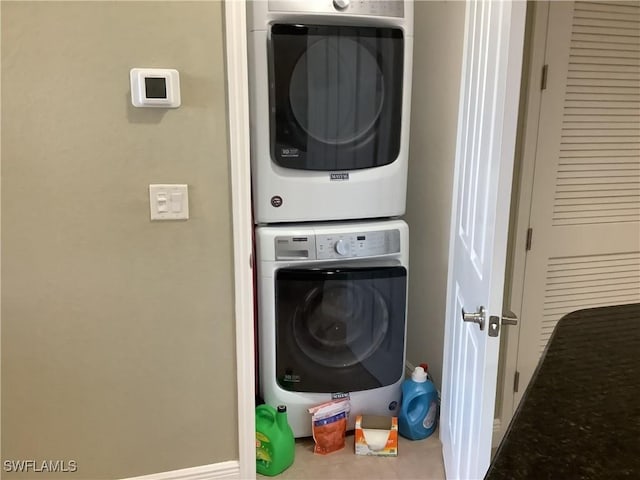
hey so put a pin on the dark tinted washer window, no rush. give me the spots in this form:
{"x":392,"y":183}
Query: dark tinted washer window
{"x":340,"y":329}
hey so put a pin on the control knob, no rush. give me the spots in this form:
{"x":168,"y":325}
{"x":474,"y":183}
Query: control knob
{"x":341,"y":247}
{"x":341,"y":4}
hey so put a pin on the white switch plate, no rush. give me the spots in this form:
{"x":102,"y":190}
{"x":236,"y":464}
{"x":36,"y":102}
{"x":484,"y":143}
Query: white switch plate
{"x":169,"y":201}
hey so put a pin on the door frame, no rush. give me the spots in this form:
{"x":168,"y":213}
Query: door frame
{"x":239,"y":161}
{"x":237,"y":87}
{"x":522,"y":197}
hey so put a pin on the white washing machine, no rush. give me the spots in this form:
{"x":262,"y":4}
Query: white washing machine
{"x":330,"y":89}
{"x":332,"y":316}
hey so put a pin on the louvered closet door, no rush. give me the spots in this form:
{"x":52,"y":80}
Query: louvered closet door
{"x":585,"y":212}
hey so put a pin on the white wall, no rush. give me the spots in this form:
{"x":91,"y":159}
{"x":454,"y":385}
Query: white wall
{"x":439,"y":27}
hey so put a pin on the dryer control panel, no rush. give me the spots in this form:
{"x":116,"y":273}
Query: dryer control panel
{"x":338,"y":245}
{"x":382,"y":8}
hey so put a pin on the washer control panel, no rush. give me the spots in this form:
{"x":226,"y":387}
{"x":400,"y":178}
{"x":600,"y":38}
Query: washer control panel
{"x":337,"y":245}
{"x":381,"y":8}
{"x":354,"y":245}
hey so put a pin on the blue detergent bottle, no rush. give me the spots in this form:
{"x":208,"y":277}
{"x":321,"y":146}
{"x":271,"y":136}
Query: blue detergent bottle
{"x":418,"y":416}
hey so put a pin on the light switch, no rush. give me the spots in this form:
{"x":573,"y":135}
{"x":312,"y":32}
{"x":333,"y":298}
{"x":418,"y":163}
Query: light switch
{"x":163,"y":204}
{"x":169,"y":201}
{"x":176,"y":202}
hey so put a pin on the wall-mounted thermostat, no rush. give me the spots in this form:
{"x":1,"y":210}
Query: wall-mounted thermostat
{"x":155,"y":87}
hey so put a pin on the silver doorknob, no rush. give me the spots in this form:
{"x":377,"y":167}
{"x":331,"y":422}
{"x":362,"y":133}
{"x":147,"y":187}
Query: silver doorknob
{"x":475,"y":317}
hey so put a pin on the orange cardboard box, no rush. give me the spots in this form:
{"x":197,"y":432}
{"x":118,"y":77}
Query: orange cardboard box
{"x":376,"y":435}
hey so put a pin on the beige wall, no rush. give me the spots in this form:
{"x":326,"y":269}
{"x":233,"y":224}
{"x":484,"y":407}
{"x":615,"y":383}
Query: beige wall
{"x":439,"y":35}
{"x":117,"y":332}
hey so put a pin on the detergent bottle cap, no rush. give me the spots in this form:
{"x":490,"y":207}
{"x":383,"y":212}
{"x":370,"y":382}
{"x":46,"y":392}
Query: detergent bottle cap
{"x":281,"y":417}
{"x":419,"y":375}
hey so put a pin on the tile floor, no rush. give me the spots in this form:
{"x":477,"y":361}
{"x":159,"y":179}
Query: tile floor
{"x":416,"y":460}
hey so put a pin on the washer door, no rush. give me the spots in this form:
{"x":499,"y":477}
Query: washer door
{"x":336,"y":96}
{"x":340,"y":329}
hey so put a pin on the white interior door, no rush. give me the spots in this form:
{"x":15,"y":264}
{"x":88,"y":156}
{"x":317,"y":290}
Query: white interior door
{"x":585,"y":203}
{"x":489,"y":95}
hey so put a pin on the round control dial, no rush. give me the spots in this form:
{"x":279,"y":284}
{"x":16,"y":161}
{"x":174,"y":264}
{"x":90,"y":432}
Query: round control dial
{"x":341,"y":4}
{"x":341,"y":247}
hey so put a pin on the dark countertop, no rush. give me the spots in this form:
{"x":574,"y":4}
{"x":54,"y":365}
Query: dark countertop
{"x":580,"y":415}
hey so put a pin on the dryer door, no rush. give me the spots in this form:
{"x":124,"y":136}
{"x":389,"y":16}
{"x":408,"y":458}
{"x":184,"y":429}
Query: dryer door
{"x":340,"y":329}
{"x":336,"y":96}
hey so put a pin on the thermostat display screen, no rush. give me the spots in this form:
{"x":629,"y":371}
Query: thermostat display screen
{"x":155,"y":87}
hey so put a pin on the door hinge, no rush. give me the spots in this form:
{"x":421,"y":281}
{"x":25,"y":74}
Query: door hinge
{"x":516,"y":381}
{"x":545,"y":71}
{"x":529,"y":237}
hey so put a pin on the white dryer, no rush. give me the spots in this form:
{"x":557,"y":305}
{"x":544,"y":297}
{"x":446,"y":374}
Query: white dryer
{"x":332,"y":316}
{"x":330,"y":89}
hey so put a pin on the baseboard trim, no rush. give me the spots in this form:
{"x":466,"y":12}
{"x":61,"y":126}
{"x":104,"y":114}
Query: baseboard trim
{"x":498,"y":433}
{"x":408,"y":368}
{"x":226,"y":470}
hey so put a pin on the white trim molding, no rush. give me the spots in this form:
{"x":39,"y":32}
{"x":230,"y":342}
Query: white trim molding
{"x":531,"y":97}
{"x":238,"y":114}
{"x":226,"y":470}
{"x":498,"y":433}
{"x":408,"y":368}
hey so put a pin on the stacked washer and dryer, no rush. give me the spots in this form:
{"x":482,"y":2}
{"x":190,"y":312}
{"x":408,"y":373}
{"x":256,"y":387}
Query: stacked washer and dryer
{"x":330,"y":87}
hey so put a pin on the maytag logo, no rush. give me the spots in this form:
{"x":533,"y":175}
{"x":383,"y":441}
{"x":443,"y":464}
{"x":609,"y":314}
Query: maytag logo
{"x":339,"y":176}
{"x":340,"y":395}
